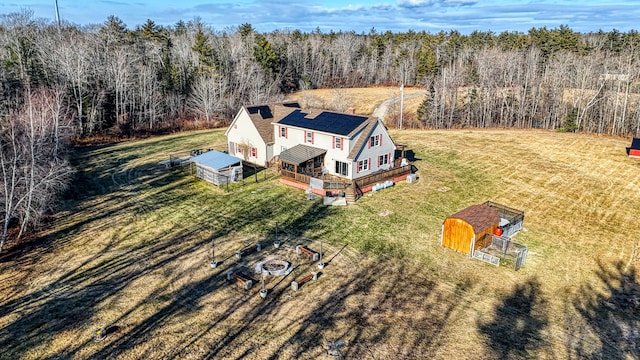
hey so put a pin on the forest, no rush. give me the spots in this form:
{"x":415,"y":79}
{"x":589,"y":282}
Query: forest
{"x":69,"y":83}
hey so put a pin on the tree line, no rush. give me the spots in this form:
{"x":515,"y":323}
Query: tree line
{"x":117,"y":80}
{"x":72,"y":82}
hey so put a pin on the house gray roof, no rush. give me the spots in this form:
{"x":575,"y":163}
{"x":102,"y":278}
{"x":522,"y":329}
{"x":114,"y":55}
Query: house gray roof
{"x":216,"y":159}
{"x":263,"y":115}
{"x":323,"y":120}
{"x":300,"y":153}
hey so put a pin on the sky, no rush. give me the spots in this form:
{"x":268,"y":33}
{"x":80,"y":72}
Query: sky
{"x":360,"y":16}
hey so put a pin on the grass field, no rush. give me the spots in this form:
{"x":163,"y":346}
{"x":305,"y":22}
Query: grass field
{"x":131,"y":248}
{"x":363,"y":100}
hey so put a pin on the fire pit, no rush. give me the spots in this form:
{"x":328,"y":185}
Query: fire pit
{"x":273,"y":267}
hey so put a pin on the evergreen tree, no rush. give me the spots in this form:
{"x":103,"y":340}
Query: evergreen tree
{"x":204,"y":50}
{"x":570,"y":121}
{"x":265,"y":55}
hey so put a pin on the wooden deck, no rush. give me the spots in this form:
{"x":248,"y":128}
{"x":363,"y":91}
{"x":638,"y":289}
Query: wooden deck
{"x":330,"y":181}
{"x":383,"y":176}
{"x":358,"y":186}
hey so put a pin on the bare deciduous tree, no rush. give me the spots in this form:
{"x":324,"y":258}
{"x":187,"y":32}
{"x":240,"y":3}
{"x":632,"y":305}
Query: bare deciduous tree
{"x":207,"y":96}
{"x":32,"y":167}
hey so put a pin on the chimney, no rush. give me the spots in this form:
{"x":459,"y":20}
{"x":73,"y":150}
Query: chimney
{"x":351,"y":111}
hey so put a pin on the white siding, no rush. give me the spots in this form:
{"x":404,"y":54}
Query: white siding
{"x":296,"y":136}
{"x":372,"y":154}
{"x":243,"y":131}
{"x":385,"y":147}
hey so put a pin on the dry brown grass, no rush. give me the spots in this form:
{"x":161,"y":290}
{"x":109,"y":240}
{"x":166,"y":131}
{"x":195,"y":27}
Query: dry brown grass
{"x":133,"y":246}
{"x":363,"y":100}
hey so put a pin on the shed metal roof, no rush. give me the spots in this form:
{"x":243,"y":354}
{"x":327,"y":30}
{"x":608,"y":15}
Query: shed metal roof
{"x":216,"y":159}
{"x":325,"y":121}
{"x":300,"y":153}
{"x":480,"y":217}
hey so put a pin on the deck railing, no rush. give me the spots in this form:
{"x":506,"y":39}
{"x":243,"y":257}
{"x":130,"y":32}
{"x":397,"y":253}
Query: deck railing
{"x":382,"y":176}
{"x":302,"y":178}
{"x":335,"y":183}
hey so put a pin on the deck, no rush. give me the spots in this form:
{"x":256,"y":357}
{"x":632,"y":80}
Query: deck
{"x":335,"y":184}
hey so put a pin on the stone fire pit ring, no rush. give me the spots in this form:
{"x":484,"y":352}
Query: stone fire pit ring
{"x":274,"y":267}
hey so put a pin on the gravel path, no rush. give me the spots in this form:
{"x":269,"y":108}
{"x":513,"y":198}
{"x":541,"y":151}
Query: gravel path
{"x":382,"y":109}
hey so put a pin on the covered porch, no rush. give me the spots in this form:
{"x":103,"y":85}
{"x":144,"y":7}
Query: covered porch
{"x":302,"y":161}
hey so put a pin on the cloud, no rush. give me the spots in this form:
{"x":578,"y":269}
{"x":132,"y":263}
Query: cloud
{"x":434,"y":3}
{"x":353,"y":15}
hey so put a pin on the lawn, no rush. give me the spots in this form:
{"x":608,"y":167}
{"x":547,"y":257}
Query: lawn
{"x":130,"y":252}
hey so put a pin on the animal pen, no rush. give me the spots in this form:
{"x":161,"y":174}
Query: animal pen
{"x":218,"y":168}
{"x":495,"y":248}
{"x":484,"y":232}
{"x":510,"y":219}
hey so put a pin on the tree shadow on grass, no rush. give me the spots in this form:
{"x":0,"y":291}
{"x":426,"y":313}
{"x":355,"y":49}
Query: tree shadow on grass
{"x":70,"y":301}
{"x":111,"y":211}
{"x":388,"y":312}
{"x":608,"y":313}
{"x":397,"y":314}
{"x":518,"y":322}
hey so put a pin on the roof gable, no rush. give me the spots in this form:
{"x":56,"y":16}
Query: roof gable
{"x":364,"y":138}
{"x":263,"y":115}
{"x":325,"y":121}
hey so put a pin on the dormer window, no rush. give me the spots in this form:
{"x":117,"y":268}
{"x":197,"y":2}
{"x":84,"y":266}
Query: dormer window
{"x":374,"y":140}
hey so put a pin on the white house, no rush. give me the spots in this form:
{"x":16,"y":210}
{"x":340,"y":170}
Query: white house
{"x":250,"y":135}
{"x":345,"y":145}
{"x":311,"y":141}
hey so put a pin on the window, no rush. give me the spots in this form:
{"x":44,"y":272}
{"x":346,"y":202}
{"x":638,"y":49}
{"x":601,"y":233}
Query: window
{"x":374,"y":140}
{"x":283,"y":132}
{"x":232,"y":147}
{"x":254,"y":152}
{"x":338,"y":143}
{"x":363,"y":165}
{"x":309,"y":137}
{"x":342,"y":168}
{"x":383,"y":159}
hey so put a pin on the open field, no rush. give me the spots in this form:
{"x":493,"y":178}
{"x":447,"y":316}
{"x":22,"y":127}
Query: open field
{"x":363,"y":100}
{"x":131,"y":249}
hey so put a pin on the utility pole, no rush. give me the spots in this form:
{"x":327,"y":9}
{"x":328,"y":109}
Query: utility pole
{"x":401,"y":104}
{"x":57,"y":14}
